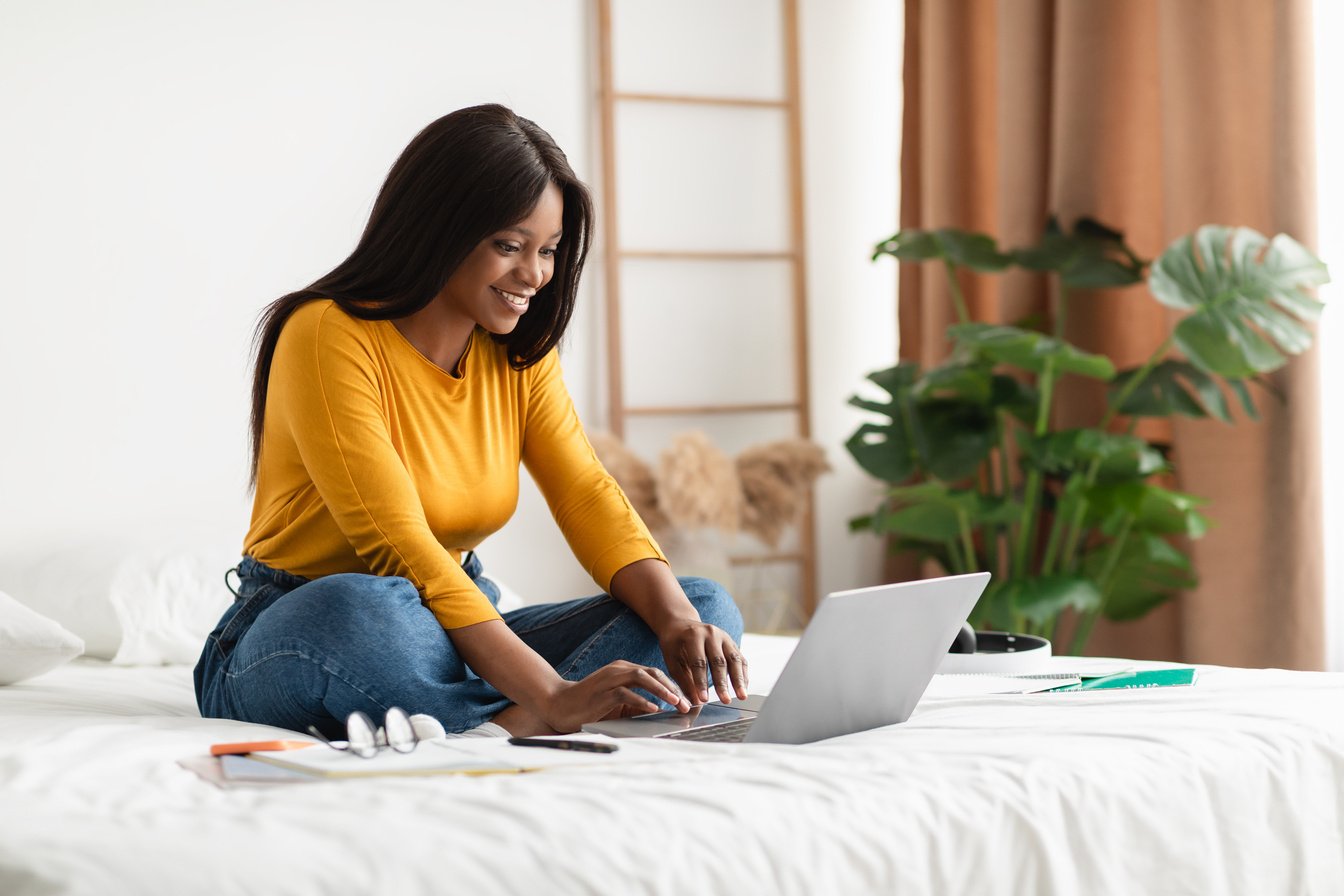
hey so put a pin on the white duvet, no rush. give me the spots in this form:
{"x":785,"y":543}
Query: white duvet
{"x":1235,"y":785}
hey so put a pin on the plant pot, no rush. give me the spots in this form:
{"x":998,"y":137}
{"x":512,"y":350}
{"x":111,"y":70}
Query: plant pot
{"x":1000,"y":652}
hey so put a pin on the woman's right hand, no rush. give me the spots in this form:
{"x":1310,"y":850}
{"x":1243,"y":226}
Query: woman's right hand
{"x":609,"y":693}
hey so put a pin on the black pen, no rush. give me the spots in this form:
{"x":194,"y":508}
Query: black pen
{"x":581,"y":746}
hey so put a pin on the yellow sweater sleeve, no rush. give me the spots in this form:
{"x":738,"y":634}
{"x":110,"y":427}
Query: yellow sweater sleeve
{"x":325,"y":388}
{"x":602,"y":528}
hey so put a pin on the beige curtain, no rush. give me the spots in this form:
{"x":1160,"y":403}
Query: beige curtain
{"x":1154,"y":116}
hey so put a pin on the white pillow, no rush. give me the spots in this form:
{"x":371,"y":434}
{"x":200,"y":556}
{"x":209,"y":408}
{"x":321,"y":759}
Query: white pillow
{"x":129,"y":605}
{"x":30,"y":643}
{"x":167,"y":603}
{"x":70,"y":585}
{"x":137,"y":607}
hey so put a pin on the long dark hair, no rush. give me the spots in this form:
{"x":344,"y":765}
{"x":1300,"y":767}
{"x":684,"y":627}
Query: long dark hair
{"x":469,"y":174}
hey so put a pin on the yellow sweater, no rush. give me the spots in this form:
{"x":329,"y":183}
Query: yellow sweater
{"x":375,"y":460}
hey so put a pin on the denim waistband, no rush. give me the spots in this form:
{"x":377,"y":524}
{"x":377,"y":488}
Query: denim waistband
{"x":252,"y":568}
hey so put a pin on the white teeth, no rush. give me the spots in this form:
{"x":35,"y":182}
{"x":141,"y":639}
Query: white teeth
{"x":520,"y":301}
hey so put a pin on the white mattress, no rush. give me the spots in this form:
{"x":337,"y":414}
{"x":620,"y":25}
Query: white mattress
{"x":1233,"y":786}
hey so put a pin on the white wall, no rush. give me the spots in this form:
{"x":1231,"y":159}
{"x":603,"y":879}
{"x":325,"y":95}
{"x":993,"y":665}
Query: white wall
{"x":169,"y":168}
{"x":851,"y":65}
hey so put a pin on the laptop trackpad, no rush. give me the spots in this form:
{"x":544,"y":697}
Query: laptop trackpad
{"x":657,"y":723}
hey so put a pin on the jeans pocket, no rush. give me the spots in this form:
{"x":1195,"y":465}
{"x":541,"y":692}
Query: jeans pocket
{"x":232,"y":631}
{"x":220,"y":643}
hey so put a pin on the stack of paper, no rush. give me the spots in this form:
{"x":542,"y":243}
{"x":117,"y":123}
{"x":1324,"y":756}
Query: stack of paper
{"x":452,"y":756}
{"x":978,"y":685}
{"x":1095,"y":677}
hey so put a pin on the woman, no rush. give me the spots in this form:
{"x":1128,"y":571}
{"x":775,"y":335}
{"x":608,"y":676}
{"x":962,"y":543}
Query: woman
{"x":393,"y":401}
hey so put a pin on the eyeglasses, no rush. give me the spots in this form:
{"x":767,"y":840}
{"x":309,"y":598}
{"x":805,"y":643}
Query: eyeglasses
{"x":365,"y":740}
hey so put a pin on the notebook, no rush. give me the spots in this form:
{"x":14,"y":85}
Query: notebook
{"x":1139,"y":678}
{"x":975,"y":684}
{"x":449,"y":756}
{"x":863,"y":661}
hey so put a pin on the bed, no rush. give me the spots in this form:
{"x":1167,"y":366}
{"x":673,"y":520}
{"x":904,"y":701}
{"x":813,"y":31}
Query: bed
{"x":1235,"y":785}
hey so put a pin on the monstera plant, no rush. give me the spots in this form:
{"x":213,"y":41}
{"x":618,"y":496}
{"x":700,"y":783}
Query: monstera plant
{"x":1084,"y":519}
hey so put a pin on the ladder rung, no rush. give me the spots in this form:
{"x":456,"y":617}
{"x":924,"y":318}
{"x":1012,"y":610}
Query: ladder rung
{"x":691,"y":410}
{"x":744,"y":559}
{"x":693,"y":100}
{"x":707,"y":255}
{"x":786,"y":111}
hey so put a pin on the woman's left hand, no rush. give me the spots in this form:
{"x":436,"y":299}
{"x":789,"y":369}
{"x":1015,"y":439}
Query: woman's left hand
{"x":696,"y":653}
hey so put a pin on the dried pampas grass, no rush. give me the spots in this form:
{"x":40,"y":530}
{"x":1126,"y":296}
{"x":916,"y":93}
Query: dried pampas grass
{"x":774,"y":479}
{"x":697,"y":485}
{"x":634,"y":477}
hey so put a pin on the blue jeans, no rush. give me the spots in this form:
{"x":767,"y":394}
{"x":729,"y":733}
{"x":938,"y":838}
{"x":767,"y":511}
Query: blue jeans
{"x":293,"y":652}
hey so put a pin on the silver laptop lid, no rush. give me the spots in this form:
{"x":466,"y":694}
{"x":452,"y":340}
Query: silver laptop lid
{"x":865,"y":659}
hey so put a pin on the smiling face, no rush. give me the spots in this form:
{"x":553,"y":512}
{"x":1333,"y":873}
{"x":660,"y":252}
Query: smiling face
{"x":493,"y":287}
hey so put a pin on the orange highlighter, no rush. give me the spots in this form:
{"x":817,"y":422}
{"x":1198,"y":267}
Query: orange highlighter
{"x":258,"y":746}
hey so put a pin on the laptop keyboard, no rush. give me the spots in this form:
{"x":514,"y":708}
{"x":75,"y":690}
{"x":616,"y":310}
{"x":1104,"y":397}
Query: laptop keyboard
{"x":727,"y":733}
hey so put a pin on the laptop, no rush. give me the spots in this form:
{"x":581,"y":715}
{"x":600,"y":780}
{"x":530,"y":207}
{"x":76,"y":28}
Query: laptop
{"x":863,"y":661}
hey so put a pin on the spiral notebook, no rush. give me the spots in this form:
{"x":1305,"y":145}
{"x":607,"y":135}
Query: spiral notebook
{"x":1101,"y":679}
{"x":988,"y":684}
{"x":1138,"y":678}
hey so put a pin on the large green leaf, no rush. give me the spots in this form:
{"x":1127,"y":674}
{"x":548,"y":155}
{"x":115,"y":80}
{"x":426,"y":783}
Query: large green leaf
{"x":1040,"y":600}
{"x":1242,"y":392}
{"x":1008,"y":393}
{"x":896,"y":381}
{"x":1171,"y":387}
{"x":1246,"y":294}
{"x":931,"y":427}
{"x":1148,"y":572}
{"x":1117,"y":455}
{"x":968,"y":381}
{"x":1093,"y":256}
{"x":1144,"y":508}
{"x":1222,"y":341}
{"x":1029,"y":350}
{"x":923,"y":522}
{"x":976,"y":382}
{"x":886,"y":450}
{"x":976,"y":251}
{"x":935,"y":512}
{"x":955,"y":417}
{"x":873,"y":522}
{"x":952,"y":438}
{"x":979,"y":508}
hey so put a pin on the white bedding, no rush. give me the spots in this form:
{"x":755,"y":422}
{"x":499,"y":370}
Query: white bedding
{"x":1233,"y":786}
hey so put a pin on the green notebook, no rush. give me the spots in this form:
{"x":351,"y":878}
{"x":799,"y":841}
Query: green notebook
{"x":1141,"y":678}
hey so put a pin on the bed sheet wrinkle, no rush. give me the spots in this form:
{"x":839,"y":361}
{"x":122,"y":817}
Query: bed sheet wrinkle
{"x":1068,"y":817}
{"x":1234,"y":786}
{"x":1283,"y":783}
